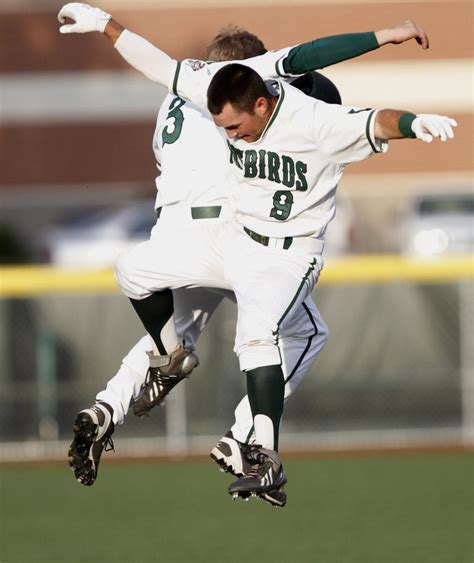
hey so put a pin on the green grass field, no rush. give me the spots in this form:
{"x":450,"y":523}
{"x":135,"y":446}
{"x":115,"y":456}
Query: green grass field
{"x":392,"y":509}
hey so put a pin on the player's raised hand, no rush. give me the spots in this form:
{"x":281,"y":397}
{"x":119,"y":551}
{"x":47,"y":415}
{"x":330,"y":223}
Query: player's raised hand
{"x":86,"y":18}
{"x":427,"y":126}
{"x":403,"y":32}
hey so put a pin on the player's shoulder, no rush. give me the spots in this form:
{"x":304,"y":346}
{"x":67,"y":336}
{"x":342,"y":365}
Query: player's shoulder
{"x":293,"y":102}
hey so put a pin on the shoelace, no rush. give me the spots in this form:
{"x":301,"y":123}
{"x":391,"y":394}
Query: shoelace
{"x":258,"y":470}
{"x":253,"y":454}
{"x":257,"y":460}
{"x":161,"y":378}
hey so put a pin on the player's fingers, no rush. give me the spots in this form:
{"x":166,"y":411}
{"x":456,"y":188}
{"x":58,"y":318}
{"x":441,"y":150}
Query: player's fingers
{"x":448,"y":127}
{"x":71,"y":28}
{"x":422,"y":38}
{"x":65,"y":12}
{"x":421,"y":131}
{"x":447,"y":132}
{"x":445,"y":127}
{"x":432,"y":127}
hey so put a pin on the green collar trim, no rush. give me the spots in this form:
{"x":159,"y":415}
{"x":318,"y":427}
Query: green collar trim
{"x":174,"y":88}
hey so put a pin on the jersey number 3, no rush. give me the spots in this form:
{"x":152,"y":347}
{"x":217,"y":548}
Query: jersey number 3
{"x":170,"y":135}
{"x":282,"y":202}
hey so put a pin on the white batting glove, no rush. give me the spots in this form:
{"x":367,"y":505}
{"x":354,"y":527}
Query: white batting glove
{"x":86,"y":18}
{"x":427,"y":126}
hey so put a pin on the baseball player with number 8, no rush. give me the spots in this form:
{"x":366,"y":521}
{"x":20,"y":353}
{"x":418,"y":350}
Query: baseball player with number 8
{"x":288,"y":153}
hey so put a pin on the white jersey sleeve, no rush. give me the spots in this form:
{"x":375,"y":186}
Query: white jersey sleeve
{"x":346,"y":134}
{"x":190,"y":78}
{"x":146,"y":58}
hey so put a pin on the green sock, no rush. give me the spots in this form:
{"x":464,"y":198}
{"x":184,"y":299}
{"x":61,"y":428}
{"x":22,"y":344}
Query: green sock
{"x":266,"y":389}
{"x":154,"y":312}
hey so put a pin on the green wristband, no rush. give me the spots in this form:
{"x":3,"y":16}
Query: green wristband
{"x":404,"y":125}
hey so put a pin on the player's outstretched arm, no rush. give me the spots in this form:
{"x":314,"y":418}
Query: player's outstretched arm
{"x":397,"y":124}
{"x":334,"y":49}
{"x":137,"y":51}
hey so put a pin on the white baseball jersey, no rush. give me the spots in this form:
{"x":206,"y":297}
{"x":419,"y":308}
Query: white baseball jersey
{"x":288,"y":177}
{"x":196,"y":169}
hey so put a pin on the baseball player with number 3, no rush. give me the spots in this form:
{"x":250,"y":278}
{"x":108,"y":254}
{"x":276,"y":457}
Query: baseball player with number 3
{"x":287,"y":152}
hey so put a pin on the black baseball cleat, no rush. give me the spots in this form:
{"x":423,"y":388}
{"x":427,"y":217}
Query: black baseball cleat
{"x":164,"y":373}
{"x":264,"y":479}
{"x":93,"y":429}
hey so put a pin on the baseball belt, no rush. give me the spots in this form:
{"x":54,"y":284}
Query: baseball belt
{"x":311,"y":244}
{"x":202,"y":212}
{"x":262,"y":239}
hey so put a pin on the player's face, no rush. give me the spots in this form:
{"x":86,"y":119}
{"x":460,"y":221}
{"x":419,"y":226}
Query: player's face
{"x":243,"y":125}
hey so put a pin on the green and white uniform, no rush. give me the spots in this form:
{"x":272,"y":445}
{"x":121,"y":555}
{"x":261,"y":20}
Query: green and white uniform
{"x":272,"y":267}
{"x":268,"y":281}
{"x":195,"y":196}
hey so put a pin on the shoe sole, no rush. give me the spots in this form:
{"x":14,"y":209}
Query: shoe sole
{"x":264,"y":493}
{"x":84,"y":433}
{"x":278,"y":499}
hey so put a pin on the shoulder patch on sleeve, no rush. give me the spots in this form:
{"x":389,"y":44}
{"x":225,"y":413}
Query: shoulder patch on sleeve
{"x":195,"y":64}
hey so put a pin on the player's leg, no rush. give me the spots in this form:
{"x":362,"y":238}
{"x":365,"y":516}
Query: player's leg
{"x":261,"y":318}
{"x":148,"y":272}
{"x":302,"y":338}
{"x":269,"y":286}
{"x":193,"y":309}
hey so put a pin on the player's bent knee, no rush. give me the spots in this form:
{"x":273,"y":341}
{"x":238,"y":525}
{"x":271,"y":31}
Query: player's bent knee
{"x":124,"y":274}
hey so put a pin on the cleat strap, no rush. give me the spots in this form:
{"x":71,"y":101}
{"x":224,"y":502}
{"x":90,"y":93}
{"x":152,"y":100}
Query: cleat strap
{"x":158,"y":361}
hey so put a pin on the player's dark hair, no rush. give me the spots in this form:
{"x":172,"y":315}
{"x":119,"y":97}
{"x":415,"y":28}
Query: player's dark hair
{"x":238,"y":85}
{"x":233,"y":43}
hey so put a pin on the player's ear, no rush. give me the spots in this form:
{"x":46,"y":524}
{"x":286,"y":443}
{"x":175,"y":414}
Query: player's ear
{"x":261,"y":106}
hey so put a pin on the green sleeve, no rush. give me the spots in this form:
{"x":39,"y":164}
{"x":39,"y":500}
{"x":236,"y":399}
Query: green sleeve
{"x":328,"y":51}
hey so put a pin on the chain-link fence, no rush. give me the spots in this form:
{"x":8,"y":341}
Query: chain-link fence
{"x":398,"y":368}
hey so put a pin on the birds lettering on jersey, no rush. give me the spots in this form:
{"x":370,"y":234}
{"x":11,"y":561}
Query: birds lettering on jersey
{"x":281,"y":169}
